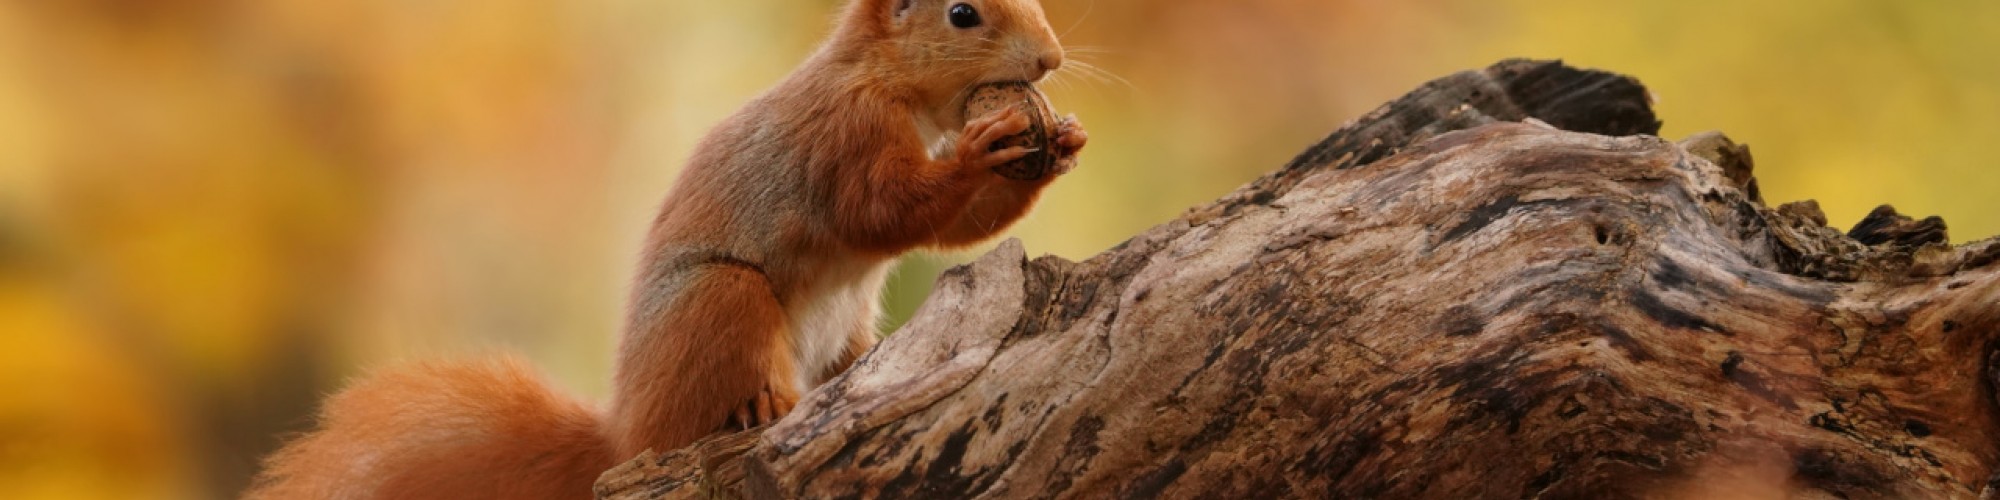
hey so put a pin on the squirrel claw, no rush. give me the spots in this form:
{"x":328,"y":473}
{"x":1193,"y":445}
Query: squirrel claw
{"x":763,"y":409}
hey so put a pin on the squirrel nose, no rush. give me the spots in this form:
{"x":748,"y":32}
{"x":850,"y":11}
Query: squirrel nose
{"x":1049,"y":62}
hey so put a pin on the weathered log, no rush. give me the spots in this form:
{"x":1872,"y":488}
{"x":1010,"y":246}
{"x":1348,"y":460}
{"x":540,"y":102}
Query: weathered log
{"x":1434,"y":302}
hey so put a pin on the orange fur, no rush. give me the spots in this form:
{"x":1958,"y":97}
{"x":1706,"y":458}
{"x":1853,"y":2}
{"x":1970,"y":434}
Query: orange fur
{"x":760,"y":278}
{"x":684,"y":383}
{"x":428,"y":431}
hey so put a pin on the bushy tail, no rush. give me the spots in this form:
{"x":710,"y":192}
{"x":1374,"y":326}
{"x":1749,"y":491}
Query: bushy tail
{"x":489,"y":429}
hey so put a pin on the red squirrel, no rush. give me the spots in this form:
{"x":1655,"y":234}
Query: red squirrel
{"x":760,"y":278}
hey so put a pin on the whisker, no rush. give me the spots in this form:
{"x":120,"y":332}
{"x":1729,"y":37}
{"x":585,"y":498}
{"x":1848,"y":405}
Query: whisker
{"x":1087,"y":49}
{"x":1079,"y":72}
{"x":1056,"y":80}
{"x":1104,"y":73}
{"x":1087,"y":10}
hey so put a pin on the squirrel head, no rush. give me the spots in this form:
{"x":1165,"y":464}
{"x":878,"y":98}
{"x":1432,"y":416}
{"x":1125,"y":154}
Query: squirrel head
{"x":939,"y":49}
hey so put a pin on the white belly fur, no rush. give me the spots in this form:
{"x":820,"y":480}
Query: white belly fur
{"x":850,"y":301}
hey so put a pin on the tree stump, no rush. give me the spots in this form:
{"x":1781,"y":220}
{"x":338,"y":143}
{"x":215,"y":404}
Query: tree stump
{"x":1499,"y":286}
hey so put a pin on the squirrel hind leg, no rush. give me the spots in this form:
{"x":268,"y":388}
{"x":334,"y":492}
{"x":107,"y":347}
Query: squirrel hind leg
{"x":716,"y":357}
{"x":488,"y":429}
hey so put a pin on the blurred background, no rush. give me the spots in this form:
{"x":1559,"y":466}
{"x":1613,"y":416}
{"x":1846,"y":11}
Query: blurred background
{"x":214,"y":211}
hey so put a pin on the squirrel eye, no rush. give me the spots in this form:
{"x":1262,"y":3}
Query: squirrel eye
{"x":964,"y":16}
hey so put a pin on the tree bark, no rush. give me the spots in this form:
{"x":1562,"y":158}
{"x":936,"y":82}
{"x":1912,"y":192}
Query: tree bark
{"x":1499,"y":286}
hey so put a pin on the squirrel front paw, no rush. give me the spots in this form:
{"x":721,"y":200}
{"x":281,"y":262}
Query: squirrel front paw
{"x":977,"y":151}
{"x":771,"y":403}
{"x":1069,"y":140}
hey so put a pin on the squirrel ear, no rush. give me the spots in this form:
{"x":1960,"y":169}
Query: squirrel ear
{"x":875,"y":17}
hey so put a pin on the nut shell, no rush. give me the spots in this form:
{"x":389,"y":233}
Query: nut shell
{"x":992,"y":97}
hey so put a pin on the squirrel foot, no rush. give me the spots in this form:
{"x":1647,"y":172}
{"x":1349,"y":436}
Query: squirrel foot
{"x":770,"y":404}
